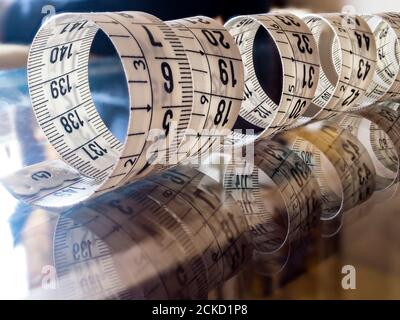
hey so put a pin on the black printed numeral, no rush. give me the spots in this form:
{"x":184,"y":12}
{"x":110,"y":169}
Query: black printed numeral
{"x":298,"y":107}
{"x":288,"y":20}
{"x":353,"y":95}
{"x":352,"y":149}
{"x":139,"y":64}
{"x":241,"y":181}
{"x":303,"y":43}
{"x":222,"y":114}
{"x":211,"y":37}
{"x":364,"y":174}
{"x":167,"y":74}
{"x":363,"y":69}
{"x":71,"y":121}
{"x":247,"y":92}
{"x":153,"y":41}
{"x":238,"y":38}
{"x":60,"y":87}
{"x":73,"y":26}
{"x":360,"y":38}
{"x":308,"y":79}
{"x":82,"y":250}
{"x":168,"y":115}
{"x":94,"y":150}
{"x":225,"y":74}
{"x":58,"y":54}
{"x":299,"y":173}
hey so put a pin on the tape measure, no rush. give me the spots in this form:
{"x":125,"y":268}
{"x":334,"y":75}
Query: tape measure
{"x":341,"y":164}
{"x":278,"y":195}
{"x":200,"y":90}
{"x":348,"y":60}
{"x":172,"y":236}
{"x":299,"y":58}
{"x":386,"y":80}
{"x":173,"y":65}
{"x":103,"y":243}
{"x":385,"y":125}
{"x":207,"y":230}
{"x":378,"y":130}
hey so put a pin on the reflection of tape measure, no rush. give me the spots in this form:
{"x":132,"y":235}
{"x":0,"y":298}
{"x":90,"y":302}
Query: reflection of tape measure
{"x":181,"y":240}
{"x":352,"y":179}
{"x":83,"y":262}
{"x":378,"y":131}
{"x":277,"y":174}
{"x":385,"y":125}
{"x":206,"y":198}
{"x":198,"y":82}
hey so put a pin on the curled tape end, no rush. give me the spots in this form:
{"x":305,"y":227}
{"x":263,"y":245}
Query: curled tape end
{"x":33,"y":179}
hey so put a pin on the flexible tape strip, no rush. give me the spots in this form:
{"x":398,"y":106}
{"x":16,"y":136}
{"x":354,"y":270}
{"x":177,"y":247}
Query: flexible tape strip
{"x":348,"y":59}
{"x":267,"y":223}
{"x":393,"y":19}
{"x":197,"y":225}
{"x":44,"y":183}
{"x":85,"y":142}
{"x":207,"y":198}
{"x":385,"y":83}
{"x":170,"y":223}
{"x":217,"y":72}
{"x":87,"y":147}
{"x":319,"y":164}
{"x":296,"y":185}
{"x":180,"y":181}
{"x":151,"y":53}
{"x":351,"y":161}
{"x":383,"y":147}
{"x":163,"y":251}
{"x":88,"y":270}
{"x":109,"y":218}
{"x":119,"y":222}
{"x":258,"y":109}
{"x":387,"y":119}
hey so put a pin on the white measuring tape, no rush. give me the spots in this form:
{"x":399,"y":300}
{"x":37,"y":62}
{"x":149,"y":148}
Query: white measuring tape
{"x":341,"y":164}
{"x":348,"y":59}
{"x":299,"y":58}
{"x":192,"y":83}
{"x":190,"y":233}
{"x":279,"y":174}
{"x":351,"y":155}
{"x":386,"y":80}
{"x":173,"y":236}
{"x":377,"y":128}
{"x":174,"y":67}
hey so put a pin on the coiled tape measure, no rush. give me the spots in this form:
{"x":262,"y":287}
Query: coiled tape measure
{"x":351,"y":178}
{"x":191,"y":233}
{"x":176,"y":84}
{"x":351,"y":155}
{"x":377,"y":128}
{"x":348,"y":59}
{"x":175,"y":235}
{"x":198,"y":84}
{"x":277,"y":173}
{"x":298,"y":61}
